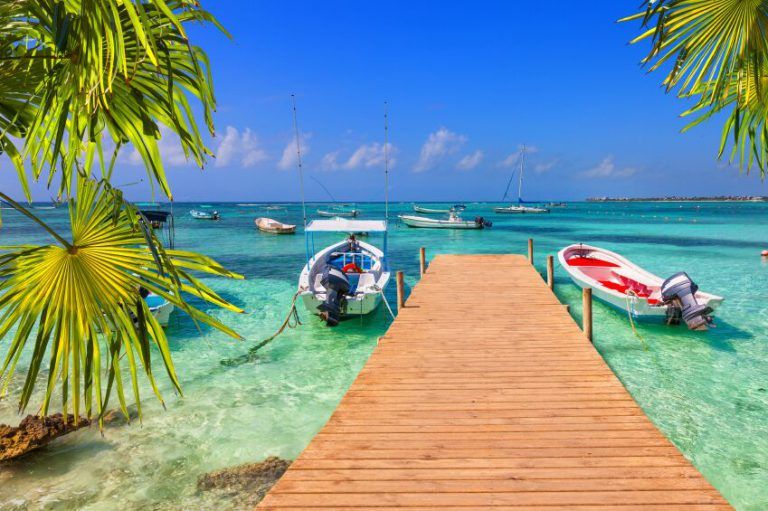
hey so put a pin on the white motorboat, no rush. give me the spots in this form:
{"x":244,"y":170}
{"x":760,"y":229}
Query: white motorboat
{"x":160,"y":308}
{"x":454,"y":221}
{"x":519,"y":208}
{"x":331,"y":213}
{"x":626,"y":286}
{"x":272,"y":226}
{"x":431,"y":211}
{"x":205,"y":215}
{"x":346,"y":278}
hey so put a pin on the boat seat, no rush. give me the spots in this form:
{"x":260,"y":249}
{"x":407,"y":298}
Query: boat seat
{"x":589,"y":261}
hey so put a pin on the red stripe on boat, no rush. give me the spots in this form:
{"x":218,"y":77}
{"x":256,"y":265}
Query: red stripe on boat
{"x":588,"y":261}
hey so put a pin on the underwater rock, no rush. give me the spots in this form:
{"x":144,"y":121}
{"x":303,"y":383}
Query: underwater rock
{"x":246,"y":484}
{"x":34,"y":432}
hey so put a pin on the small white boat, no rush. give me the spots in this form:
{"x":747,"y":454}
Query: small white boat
{"x":348,"y":277}
{"x":520,"y":209}
{"x":160,"y":308}
{"x":273,"y":226}
{"x":430,"y":211}
{"x":348,"y":213}
{"x":454,"y":221}
{"x":626,"y":286}
{"x":205,"y":215}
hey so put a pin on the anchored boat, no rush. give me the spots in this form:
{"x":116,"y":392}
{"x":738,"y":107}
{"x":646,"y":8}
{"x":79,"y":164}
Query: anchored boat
{"x":454,"y":221}
{"x":205,"y":215}
{"x":519,"y":208}
{"x":346,"y":278}
{"x":338,"y":212}
{"x":160,"y":308}
{"x":431,"y":211}
{"x":271,"y":225}
{"x":626,"y":286}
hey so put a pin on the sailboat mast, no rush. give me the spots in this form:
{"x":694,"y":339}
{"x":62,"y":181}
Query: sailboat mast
{"x":520,"y":186}
{"x":298,"y":160}
{"x":386,"y":162}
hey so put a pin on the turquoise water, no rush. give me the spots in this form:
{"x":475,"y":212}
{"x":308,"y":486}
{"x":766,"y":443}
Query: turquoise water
{"x":707,"y":391}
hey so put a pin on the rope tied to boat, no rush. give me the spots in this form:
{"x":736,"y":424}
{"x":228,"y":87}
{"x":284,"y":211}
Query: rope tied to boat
{"x":630,"y":314}
{"x":291,"y":321}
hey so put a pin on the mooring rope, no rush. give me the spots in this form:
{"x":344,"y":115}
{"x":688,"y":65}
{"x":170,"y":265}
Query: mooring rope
{"x":630,"y":310}
{"x":384,"y":298}
{"x":292,"y":320}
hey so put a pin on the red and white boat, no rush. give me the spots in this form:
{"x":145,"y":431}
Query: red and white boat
{"x":626,"y":286}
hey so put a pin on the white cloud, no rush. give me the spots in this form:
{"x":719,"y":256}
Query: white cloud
{"x":546,"y":166}
{"x":241,"y":149}
{"x":470,"y":161}
{"x":608,"y":169}
{"x":365,"y":156}
{"x":438,"y":145}
{"x":289,"y":157}
{"x":514,"y":158}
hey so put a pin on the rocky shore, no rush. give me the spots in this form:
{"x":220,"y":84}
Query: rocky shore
{"x":244,"y":486}
{"x":34,"y":432}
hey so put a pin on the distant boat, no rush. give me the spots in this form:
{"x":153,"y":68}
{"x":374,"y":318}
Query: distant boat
{"x":206,"y":206}
{"x":160,"y":308}
{"x":628,"y":287}
{"x":454,"y":221}
{"x":348,"y":213}
{"x":274,"y":207}
{"x":429,"y":211}
{"x":557,"y":204}
{"x":519,"y":208}
{"x":205,"y":215}
{"x":273,"y":226}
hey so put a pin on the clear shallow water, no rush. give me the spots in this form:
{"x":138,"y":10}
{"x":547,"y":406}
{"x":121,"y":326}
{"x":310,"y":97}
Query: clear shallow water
{"x":707,"y":391}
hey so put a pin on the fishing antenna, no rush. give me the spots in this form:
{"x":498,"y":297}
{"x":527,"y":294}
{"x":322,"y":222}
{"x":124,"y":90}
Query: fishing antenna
{"x":386,"y":162}
{"x":298,"y":160}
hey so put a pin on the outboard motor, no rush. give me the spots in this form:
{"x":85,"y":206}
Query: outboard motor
{"x":336,"y":287}
{"x":482,"y":221}
{"x":679,"y":292}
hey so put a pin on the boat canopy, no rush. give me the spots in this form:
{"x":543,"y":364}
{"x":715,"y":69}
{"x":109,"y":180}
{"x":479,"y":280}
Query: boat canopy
{"x":339,"y":224}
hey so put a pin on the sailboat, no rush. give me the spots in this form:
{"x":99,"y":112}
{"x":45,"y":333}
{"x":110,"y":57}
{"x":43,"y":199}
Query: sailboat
{"x":519,"y":208}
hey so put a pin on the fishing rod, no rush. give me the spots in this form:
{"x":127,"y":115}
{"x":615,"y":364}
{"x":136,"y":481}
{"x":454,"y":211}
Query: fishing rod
{"x":324,"y":188}
{"x":386,"y":162}
{"x":298,"y":161}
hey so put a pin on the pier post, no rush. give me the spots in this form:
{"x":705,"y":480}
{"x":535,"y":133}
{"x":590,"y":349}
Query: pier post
{"x":530,"y":250}
{"x":400,"y":290}
{"x":423,"y":260}
{"x":551,"y":272}
{"x":586,"y":320}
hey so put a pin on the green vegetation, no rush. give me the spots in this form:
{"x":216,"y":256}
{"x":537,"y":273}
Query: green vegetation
{"x":81,"y":81}
{"x":715,"y":53}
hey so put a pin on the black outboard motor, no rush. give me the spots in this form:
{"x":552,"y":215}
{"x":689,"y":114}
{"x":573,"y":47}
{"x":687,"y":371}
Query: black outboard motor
{"x":679,"y":292}
{"x":336,"y":287}
{"x":482,"y":221}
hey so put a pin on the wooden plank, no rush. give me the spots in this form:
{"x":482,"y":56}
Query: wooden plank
{"x":489,"y":400}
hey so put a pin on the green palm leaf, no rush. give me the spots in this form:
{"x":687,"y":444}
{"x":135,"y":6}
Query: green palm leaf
{"x":81,"y":296}
{"x":716,"y":52}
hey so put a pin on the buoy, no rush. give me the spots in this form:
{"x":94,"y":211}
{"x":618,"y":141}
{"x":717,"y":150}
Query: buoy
{"x":764,"y":253}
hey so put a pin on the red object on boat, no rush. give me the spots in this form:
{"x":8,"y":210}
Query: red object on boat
{"x":590,"y":261}
{"x":764,"y":253}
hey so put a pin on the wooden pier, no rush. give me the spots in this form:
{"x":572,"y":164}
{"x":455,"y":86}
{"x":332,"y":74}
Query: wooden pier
{"x":484,"y":393}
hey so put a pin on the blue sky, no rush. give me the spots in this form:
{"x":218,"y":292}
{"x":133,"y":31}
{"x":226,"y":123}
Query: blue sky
{"x":467,"y":83}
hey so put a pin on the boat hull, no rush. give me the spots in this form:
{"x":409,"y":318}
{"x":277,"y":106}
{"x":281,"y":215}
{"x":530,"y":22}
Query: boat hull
{"x":274,"y":227}
{"x":431,"y":223}
{"x":331,"y":214}
{"x":358,"y":306}
{"x":608,"y":274}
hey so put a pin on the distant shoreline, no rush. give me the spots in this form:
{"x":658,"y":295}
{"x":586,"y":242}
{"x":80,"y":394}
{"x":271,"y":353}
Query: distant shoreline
{"x":681,"y":199}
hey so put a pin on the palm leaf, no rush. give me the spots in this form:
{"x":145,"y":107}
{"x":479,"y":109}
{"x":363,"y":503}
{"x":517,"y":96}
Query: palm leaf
{"x":81,"y":295}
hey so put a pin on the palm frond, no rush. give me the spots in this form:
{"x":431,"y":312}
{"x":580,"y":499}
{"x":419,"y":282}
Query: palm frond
{"x":715,"y":51}
{"x":82,"y":297}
